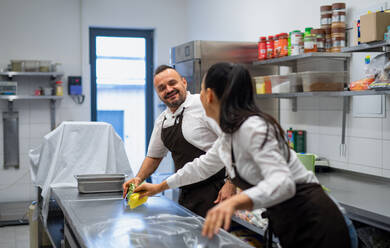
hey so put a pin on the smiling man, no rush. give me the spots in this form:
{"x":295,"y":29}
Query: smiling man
{"x":185,"y":131}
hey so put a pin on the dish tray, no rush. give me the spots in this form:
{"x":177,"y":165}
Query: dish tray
{"x":100,"y":183}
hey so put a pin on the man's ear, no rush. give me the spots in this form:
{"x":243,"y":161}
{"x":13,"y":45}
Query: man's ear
{"x":184,"y":81}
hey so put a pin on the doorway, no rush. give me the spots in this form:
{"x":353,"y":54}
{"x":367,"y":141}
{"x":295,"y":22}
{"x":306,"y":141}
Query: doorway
{"x":121,"y":63}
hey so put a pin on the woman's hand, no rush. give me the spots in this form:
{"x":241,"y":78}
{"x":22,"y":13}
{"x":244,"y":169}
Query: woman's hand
{"x":221,"y":214}
{"x":227,"y":191}
{"x":148,"y":189}
{"x":218,"y":216}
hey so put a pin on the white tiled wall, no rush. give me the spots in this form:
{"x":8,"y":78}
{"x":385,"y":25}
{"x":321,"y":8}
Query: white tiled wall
{"x":367,"y":139}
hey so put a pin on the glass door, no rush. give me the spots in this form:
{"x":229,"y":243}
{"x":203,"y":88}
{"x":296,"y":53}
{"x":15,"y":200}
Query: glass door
{"x":122,"y":88}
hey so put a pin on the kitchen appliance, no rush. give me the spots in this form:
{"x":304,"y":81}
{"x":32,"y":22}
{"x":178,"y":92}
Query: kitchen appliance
{"x":194,"y":58}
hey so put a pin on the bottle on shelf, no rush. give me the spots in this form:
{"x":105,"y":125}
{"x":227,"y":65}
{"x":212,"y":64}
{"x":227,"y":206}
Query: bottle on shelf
{"x":59,"y":88}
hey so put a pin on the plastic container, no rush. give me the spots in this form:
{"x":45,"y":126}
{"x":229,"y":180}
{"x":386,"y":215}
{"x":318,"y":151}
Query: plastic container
{"x":48,"y":91}
{"x":386,"y":36}
{"x":59,"y":88}
{"x":320,"y":39}
{"x":270,"y":47}
{"x":323,"y":81}
{"x":277,"y":46}
{"x":17,"y":65}
{"x":100,"y":183}
{"x":283,"y":44}
{"x":31,"y":65}
{"x":262,"y":48}
{"x":310,"y":43}
{"x":280,"y":83}
{"x":44,"y":65}
{"x":296,"y":42}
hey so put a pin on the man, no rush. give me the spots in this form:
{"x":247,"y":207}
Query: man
{"x":185,"y":131}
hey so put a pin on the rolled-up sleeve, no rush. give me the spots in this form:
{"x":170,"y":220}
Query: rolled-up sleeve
{"x":198,"y":170}
{"x":277,"y":184}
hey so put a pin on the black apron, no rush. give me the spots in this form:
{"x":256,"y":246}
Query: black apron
{"x":198,"y":197}
{"x":310,"y":219}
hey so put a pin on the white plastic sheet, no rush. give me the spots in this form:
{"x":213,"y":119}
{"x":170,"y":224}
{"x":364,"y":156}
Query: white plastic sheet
{"x":76,"y":148}
{"x":164,"y":231}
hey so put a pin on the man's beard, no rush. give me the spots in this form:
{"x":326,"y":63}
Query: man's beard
{"x":176,"y":103}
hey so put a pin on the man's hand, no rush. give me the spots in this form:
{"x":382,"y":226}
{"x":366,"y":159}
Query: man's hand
{"x":228,"y":190}
{"x":135,"y":180}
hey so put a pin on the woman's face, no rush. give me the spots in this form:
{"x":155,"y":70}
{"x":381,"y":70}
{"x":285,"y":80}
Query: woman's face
{"x":209,"y":101}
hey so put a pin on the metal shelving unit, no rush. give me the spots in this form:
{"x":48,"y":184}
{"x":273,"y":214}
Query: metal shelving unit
{"x":28,"y":74}
{"x":26,"y":97}
{"x":291,"y":60}
{"x":378,"y":46}
{"x":325,"y":94}
{"x":11,"y":119}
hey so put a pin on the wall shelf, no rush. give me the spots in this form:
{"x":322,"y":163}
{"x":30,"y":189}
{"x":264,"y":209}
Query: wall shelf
{"x":29,"y":74}
{"x":325,"y":94}
{"x":378,"y":46}
{"x":27,"y":97}
{"x":290,"y":60}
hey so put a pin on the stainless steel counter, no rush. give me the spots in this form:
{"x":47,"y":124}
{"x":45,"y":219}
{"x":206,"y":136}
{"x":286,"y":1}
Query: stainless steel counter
{"x":104,"y":220}
{"x":366,"y":198}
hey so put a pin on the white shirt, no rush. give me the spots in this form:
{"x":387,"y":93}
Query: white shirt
{"x":273,"y":178}
{"x":198,"y":129}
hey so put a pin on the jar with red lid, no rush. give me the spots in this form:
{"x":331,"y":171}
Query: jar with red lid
{"x":262,"y":48}
{"x":270,"y":47}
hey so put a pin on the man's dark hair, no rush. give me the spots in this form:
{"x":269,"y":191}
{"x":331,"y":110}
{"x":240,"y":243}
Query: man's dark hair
{"x":162,"y":68}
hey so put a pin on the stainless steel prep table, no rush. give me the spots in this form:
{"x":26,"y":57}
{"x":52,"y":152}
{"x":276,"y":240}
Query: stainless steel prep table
{"x":100,"y":220}
{"x":366,"y":198}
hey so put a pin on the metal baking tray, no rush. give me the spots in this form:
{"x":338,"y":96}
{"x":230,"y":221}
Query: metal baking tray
{"x":100,"y":183}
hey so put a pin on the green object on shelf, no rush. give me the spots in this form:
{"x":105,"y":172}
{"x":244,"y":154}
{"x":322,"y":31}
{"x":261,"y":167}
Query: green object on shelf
{"x":307,"y":160}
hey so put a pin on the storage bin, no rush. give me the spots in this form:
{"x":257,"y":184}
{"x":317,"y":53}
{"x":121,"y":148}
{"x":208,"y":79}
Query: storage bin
{"x":44,"y":65}
{"x":323,"y":81}
{"x":31,"y":65}
{"x":286,"y":83}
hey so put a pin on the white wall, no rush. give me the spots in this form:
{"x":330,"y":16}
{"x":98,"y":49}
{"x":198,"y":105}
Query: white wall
{"x":36,"y":30}
{"x":368,"y":139}
{"x":58,"y":30}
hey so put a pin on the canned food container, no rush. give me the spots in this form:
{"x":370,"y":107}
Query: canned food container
{"x":100,"y":183}
{"x":323,"y":81}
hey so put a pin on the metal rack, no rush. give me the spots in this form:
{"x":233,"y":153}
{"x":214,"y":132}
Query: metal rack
{"x":378,"y":46}
{"x":11,"y":119}
{"x":292,"y":61}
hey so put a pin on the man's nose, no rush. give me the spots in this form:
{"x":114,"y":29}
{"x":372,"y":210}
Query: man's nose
{"x":169,"y":88}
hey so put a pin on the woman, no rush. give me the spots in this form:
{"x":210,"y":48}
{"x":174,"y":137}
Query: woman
{"x":257,"y":158}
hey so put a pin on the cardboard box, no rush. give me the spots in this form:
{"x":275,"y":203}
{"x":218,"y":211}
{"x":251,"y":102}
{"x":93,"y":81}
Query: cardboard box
{"x":373,"y":26}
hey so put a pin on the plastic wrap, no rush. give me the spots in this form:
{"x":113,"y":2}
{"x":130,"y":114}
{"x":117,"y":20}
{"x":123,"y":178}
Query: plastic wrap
{"x":164,"y":230}
{"x":380,"y":67}
{"x":76,"y":148}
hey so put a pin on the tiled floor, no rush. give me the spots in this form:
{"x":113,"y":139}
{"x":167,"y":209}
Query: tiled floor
{"x":14,"y":237}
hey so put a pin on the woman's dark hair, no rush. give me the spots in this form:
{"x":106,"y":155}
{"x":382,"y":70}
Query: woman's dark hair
{"x":232,"y":83}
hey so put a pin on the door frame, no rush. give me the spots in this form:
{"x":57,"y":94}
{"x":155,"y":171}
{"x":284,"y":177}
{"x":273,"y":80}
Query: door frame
{"x":122,"y":32}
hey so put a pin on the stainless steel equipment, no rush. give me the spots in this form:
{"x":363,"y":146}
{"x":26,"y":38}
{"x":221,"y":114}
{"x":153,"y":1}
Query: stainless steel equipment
{"x":11,"y":137}
{"x":194,"y":58}
{"x":100,"y":183}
